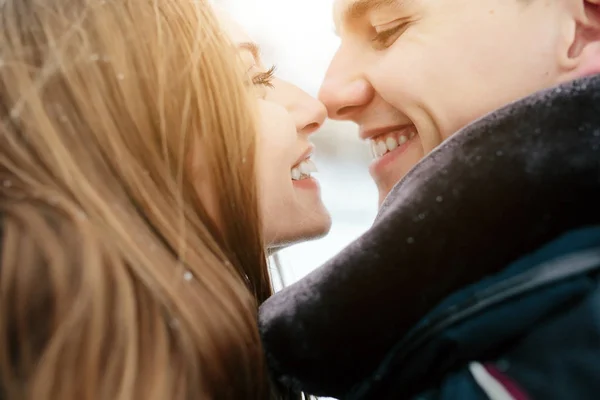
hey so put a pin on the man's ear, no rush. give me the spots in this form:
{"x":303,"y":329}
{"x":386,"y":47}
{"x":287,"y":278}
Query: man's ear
{"x":583,"y":55}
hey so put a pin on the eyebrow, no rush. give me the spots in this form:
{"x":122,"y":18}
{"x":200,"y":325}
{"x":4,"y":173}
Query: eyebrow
{"x":252,"y":48}
{"x":359,"y":9}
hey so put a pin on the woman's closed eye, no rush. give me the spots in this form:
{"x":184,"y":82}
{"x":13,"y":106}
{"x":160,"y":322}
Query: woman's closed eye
{"x":265,"y":78}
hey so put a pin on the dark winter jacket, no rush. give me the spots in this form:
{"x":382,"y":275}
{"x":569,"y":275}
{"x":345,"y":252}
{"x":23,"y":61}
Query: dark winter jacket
{"x":479,"y":278}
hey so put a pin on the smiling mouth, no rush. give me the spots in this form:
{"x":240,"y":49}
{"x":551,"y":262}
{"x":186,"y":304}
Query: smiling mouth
{"x":303,"y":170}
{"x":387,"y":142}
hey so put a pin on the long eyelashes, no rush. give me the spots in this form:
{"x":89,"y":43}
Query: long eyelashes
{"x":265,"y":78}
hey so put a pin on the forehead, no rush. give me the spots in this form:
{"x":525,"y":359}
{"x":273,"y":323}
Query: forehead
{"x":237,"y":34}
{"x":234,"y":30}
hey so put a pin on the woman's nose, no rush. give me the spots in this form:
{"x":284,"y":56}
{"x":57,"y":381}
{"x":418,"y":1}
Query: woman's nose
{"x":311,"y":115}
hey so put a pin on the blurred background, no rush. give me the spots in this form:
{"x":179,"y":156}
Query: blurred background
{"x":298,"y":37}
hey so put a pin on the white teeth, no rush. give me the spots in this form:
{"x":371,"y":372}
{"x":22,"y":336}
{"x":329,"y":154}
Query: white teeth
{"x":311,"y":166}
{"x":391,"y":143}
{"x":381,"y":149}
{"x":303,"y":170}
{"x":306,"y":168}
{"x":296,"y":174}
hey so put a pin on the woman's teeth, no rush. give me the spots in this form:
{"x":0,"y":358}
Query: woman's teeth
{"x":303,"y":170}
{"x":386,"y":143}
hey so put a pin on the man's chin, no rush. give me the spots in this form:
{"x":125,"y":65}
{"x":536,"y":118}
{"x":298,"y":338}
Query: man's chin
{"x":383,"y":193}
{"x":386,"y":183}
{"x":392,"y":167}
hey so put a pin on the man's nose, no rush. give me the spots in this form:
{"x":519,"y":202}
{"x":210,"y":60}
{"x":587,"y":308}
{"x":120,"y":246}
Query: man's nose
{"x":344,"y":98}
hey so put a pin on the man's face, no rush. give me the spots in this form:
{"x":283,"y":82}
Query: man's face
{"x":410,"y":73}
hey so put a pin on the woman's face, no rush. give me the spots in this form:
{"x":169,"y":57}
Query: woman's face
{"x":290,"y":197}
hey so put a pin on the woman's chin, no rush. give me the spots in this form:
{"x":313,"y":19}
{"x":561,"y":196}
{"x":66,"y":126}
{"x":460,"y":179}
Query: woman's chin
{"x":312,"y":227}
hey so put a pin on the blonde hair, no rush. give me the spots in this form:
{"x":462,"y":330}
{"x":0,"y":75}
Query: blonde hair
{"x":115,"y":281}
